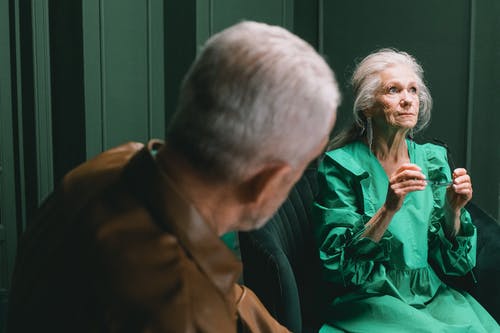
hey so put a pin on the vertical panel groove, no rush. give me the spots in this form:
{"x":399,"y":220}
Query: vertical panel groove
{"x":287,"y":14}
{"x":7,"y":163}
{"x":210,"y":18}
{"x":470,"y":94}
{"x":149,"y":73}
{"x":157,"y":69}
{"x":43,"y":119}
{"x":91,"y":21}
{"x":321,"y":25}
{"x":20,"y":130}
{"x":284,"y":14}
{"x":102,"y":60}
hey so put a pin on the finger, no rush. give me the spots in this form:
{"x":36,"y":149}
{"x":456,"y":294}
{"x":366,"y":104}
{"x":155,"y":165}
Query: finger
{"x":407,"y":175}
{"x":459,"y":172}
{"x":405,"y":190}
{"x":462,"y":188}
{"x":464,"y":179}
{"x":409,"y":186}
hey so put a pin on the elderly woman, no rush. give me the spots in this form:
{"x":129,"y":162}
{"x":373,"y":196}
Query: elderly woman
{"x":390,"y":213}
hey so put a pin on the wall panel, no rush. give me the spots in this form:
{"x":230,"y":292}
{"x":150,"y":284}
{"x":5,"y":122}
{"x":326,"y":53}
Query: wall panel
{"x":215,"y":15}
{"x":7,"y":166}
{"x":484,"y":117}
{"x":124,"y":72}
{"x":43,"y":105}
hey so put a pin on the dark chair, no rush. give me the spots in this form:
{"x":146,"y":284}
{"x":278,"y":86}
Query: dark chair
{"x":281,"y":264}
{"x":487,"y":270}
{"x":280,"y":261}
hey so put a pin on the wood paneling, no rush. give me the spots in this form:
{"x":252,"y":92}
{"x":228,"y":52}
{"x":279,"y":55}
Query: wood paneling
{"x":484,"y":115}
{"x":215,"y":15}
{"x":42,"y":90}
{"x":124,"y":72}
{"x":7,"y":166}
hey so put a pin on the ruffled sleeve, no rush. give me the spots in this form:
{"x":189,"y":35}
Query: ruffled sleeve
{"x":456,"y":257}
{"x":340,"y":218}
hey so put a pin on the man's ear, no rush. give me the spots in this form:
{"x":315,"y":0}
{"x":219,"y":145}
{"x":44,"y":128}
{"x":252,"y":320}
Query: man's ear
{"x":265,"y":182}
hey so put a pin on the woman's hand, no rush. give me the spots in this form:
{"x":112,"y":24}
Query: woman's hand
{"x":407,"y":178}
{"x":460,"y":192}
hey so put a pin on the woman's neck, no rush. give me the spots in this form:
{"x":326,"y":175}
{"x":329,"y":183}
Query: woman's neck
{"x":390,"y":146}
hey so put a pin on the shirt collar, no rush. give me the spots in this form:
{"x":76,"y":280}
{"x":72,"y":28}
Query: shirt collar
{"x":175,"y":215}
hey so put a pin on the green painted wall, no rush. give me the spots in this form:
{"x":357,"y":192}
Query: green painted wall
{"x":123,"y":72}
{"x":8,"y":212}
{"x":483,"y":119}
{"x":355,"y":28}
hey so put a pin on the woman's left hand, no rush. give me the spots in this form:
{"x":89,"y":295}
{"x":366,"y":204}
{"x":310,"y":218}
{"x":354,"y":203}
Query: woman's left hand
{"x":460,"y":192}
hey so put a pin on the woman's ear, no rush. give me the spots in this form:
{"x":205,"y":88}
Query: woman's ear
{"x":368,"y":112}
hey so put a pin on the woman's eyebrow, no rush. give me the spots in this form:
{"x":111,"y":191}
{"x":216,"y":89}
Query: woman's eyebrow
{"x":398,"y":82}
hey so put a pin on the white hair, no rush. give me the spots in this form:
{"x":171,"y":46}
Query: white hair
{"x":256,"y":93}
{"x":366,"y":82}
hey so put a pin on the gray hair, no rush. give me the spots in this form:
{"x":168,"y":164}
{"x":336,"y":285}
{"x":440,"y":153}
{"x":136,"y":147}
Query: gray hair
{"x":366,"y":81}
{"x":256,"y":93}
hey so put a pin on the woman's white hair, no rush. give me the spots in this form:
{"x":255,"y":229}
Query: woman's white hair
{"x":366,"y":82}
{"x":256,"y":93}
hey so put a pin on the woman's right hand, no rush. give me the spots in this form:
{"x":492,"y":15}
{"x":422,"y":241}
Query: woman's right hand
{"x":407,"y":178}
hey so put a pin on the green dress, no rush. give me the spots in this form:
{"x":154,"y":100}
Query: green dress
{"x":390,"y":286}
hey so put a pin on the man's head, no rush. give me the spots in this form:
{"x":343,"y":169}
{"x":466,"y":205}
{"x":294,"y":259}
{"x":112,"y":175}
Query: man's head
{"x":255,"y":108}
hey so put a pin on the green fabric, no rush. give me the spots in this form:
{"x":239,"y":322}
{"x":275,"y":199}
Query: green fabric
{"x":390,"y":285}
{"x":231,"y":241}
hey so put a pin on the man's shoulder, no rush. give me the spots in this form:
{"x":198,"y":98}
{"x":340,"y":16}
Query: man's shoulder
{"x":101,"y":169}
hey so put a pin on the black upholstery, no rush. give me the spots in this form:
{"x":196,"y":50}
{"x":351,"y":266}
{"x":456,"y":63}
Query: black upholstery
{"x":280,"y":261}
{"x":281,"y":264}
{"x":487,"y":271}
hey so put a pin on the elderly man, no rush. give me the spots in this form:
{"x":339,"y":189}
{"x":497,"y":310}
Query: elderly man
{"x":129,"y":241}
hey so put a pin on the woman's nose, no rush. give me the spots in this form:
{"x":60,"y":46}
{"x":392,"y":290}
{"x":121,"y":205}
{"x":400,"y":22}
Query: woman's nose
{"x":405,"y":100}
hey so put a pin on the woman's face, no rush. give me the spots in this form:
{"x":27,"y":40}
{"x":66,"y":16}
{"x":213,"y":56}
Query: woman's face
{"x":396,"y":102}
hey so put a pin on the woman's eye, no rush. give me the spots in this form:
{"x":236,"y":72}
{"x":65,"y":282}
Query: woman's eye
{"x":392,"y":90}
{"x":413,"y":90}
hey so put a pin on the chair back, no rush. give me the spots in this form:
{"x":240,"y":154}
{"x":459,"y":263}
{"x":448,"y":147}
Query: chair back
{"x":281,"y":262}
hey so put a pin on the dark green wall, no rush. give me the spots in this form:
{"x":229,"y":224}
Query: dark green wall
{"x":441,"y":47}
{"x":483,"y":119}
{"x":123,"y":72}
{"x":7,"y":180}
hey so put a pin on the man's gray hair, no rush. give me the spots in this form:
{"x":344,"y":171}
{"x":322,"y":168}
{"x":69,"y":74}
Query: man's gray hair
{"x":366,"y":81}
{"x":256,"y":93}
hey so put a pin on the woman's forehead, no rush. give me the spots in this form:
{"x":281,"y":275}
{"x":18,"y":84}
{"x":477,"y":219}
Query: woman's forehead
{"x":397,"y":73}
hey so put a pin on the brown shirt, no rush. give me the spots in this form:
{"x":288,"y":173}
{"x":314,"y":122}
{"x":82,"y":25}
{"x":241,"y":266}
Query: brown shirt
{"x":116,"y":249}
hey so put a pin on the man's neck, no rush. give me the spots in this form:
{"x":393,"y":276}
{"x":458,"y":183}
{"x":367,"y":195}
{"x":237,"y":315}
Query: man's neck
{"x":212,"y":200}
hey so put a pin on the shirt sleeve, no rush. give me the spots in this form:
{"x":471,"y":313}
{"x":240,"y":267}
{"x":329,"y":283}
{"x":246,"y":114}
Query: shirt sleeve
{"x":458,"y":256}
{"x":339,"y":218}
